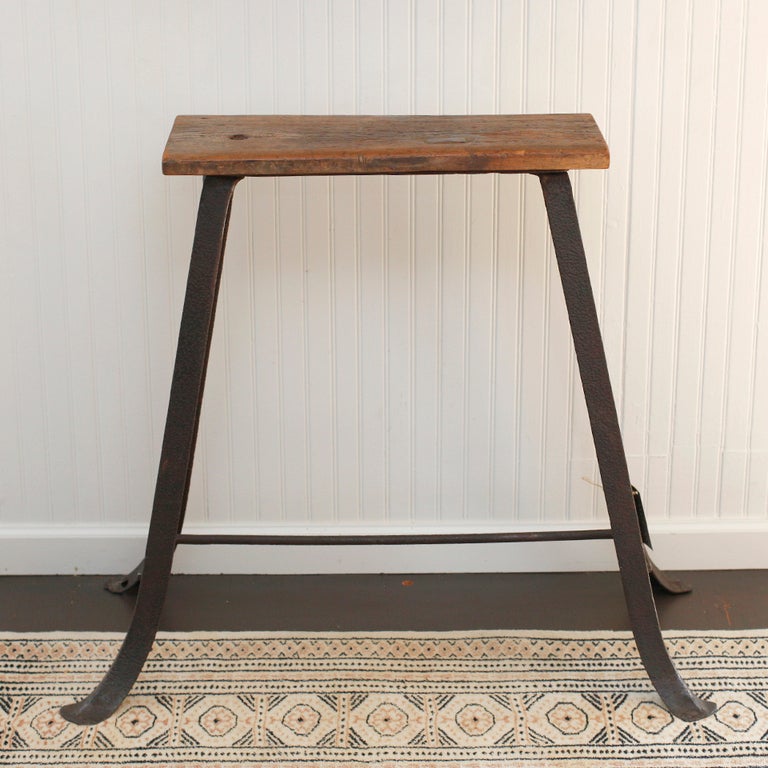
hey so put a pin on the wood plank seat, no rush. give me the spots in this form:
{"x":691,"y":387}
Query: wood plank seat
{"x":303,"y":145}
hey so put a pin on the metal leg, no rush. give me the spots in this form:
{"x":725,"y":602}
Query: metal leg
{"x":176,"y":455}
{"x":124,"y":583}
{"x":572,"y":263}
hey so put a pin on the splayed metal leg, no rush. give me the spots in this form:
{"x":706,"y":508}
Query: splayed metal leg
{"x":176,"y":455}
{"x":628,"y":540}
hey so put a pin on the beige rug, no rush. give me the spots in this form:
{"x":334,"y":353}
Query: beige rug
{"x":529,"y":699}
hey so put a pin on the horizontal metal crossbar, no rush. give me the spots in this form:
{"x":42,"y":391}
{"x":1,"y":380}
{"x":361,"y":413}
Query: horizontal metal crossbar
{"x":397,"y":538}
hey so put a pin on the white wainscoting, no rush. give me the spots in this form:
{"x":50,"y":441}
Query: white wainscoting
{"x":388,"y":351}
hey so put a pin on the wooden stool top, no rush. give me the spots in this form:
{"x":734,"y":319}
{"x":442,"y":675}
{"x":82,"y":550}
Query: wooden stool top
{"x":308,"y":145}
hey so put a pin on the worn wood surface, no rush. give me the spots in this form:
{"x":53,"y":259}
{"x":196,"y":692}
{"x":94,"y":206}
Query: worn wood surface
{"x":303,"y":145}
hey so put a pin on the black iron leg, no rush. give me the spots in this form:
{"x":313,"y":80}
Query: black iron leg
{"x":125,"y":583}
{"x":590,"y":354}
{"x":176,"y":455}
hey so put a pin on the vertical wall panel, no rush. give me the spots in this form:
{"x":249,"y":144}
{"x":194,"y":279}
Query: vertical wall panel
{"x":373,"y":365}
{"x":725,"y":167}
{"x":745,"y":246}
{"x":386,"y":350}
{"x":427,"y":358}
{"x":665,"y":267}
{"x":20,"y":250}
{"x":694,"y":226}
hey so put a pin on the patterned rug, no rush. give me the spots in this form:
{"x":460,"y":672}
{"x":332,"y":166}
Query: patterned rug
{"x":470,"y":699}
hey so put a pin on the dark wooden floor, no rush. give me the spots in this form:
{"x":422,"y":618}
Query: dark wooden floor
{"x":720,"y":600}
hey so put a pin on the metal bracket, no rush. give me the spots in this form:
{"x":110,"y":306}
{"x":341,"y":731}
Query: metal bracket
{"x":660,"y":579}
{"x":644,"y":532}
{"x":129,"y":581}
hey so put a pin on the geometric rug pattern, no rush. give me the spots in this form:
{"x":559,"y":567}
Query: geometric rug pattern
{"x":447,"y":699}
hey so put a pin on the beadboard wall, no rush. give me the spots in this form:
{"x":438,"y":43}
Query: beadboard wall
{"x":389,"y":352}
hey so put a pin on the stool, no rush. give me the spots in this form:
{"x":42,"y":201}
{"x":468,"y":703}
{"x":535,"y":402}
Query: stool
{"x":224,"y":150}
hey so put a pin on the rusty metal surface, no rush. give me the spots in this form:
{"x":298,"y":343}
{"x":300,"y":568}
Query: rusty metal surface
{"x":603,"y":419}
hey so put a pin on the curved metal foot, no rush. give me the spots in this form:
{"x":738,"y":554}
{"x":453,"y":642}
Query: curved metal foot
{"x":176,"y":454}
{"x":660,"y":579}
{"x":121,"y":676}
{"x":124,"y":583}
{"x":622,"y":510}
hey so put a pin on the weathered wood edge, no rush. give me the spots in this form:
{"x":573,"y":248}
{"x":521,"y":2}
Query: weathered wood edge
{"x":461,"y":163}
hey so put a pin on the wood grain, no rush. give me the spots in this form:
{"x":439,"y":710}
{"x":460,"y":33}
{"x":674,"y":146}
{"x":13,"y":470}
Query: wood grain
{"x":306,"y":145}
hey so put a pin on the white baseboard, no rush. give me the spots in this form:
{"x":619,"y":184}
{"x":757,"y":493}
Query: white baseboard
{"x":722,"y":544}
